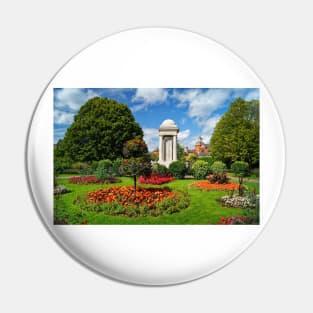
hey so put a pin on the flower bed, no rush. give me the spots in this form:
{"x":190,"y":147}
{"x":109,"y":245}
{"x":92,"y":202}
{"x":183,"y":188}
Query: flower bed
{"x":233,"y":220}
{"x":205,"y":185}
{"x":236,"y":201}
{"x":156,"y":179}
{"x":125,"y":195}
{"x":123,"y":201}
{"x":91,"y":180}
{"x":59,"y":190}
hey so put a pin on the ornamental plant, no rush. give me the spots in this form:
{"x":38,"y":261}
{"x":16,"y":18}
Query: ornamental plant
{"x":200,"y":169}
{"x":219,"y":167}
{"x":210,"y":160}
{"x":241,"y":170}
{"x":105,"y":170}
{"x":82,"y":168}
{"x":178,"y":169}
{"x":219,"y":173}
{"x":160,"y":170}
{"x":137,"y":160}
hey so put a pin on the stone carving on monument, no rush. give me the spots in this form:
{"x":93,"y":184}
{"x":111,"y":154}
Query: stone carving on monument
{"x":168,"y":142}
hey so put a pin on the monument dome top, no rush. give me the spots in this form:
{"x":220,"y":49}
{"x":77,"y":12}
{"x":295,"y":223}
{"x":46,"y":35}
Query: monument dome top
{"x":168,"y":124}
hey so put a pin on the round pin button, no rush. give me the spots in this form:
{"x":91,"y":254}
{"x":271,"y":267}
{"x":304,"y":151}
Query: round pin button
{"x":155,"y":156}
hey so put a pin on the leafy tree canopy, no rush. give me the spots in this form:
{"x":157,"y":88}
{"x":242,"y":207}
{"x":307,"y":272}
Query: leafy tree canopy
{"x":99,"y":131}
{"x":236,"y":135}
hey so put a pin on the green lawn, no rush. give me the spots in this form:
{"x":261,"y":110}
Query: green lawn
{"x":204,"y":207}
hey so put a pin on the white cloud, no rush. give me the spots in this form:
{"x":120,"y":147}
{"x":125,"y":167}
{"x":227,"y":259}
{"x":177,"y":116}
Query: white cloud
{"x":151,"y":137}
{"x":139,"y":107}
{"x":252,"y":95}
{"x":185,"y":97}
{"x":209,"y":124}
{"x":61,"y":117}
{"x":201,"y":106}
{"x":183,"y":137}
{"x":72,"y":98}
{"x":208,"y":127}
{"x":202,"y":103}
{"x":148,"y":96}
{"x":184,"y":134}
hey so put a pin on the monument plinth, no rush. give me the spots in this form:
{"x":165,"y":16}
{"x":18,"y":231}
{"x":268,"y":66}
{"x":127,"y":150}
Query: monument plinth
{"x":168,"y":142}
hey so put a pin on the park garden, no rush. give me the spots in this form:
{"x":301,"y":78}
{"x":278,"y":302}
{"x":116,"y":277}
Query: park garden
{"x":104,"y":173}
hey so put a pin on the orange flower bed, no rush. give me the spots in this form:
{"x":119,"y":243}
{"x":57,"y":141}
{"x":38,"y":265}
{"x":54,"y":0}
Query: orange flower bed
{"x":204,"y":185}
{"x":125,"y":195}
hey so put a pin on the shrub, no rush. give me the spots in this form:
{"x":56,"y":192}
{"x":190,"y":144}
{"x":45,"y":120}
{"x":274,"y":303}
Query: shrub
{"x":210,"y":160}
{"x":81,"y":168}
{"x":255,"y":172}
{"x":94,"y":165}
{"x":105,"y":170}
{"x":160,"y":169}
{"x":79,"y":165}
{"x":200,"y":169}
{"x":241,"y":170}
{"x":86,"y":170}
{"x":117,"y":164}
{"x":219,"y":173}
{"x":71,"y":171}
{"x":60,"y":165}
{"x":178,"y":169}
{"x":218,"y":167}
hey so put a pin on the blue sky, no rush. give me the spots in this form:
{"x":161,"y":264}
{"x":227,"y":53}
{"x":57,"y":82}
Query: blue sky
{"x":195,"y":110}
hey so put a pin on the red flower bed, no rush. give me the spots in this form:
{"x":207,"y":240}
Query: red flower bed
{"x":90,"y":180}
{"x":125,"y":195}
{"x":156,"y":179}
{"x":204,"y":185}
{"x":233,"y":220}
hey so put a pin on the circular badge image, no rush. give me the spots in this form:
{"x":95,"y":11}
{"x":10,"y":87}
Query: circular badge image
{"x":155,"y":156}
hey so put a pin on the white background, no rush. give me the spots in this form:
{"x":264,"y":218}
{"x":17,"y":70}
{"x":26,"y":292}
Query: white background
{"x":275,"y":273}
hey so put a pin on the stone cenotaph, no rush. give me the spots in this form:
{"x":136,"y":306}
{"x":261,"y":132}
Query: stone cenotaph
{"x":168,"y":142}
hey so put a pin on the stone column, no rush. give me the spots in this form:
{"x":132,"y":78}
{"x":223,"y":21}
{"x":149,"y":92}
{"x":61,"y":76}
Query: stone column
{"x":161,"y":148}
{"x":175,"y":148}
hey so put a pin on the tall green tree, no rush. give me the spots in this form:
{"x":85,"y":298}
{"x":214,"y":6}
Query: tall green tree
{"x":236,"y":135}
{"x":99,"y":131}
